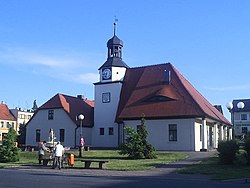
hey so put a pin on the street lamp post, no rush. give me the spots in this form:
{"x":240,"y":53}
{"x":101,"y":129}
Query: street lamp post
{"x":230,"y":107}
{"x":81,"y":118}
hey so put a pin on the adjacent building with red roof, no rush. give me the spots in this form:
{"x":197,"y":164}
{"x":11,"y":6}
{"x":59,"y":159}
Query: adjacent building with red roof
{"x":7,"y":120}
{"x":60,"y":113}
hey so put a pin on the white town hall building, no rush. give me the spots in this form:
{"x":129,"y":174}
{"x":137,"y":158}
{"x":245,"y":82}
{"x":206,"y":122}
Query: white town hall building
{"x":177,"y":116}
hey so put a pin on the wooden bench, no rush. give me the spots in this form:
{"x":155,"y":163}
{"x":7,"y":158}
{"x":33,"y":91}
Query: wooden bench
{"x":86,"y":147}
{"x":87,"y":163}
{"x":45,"y":161}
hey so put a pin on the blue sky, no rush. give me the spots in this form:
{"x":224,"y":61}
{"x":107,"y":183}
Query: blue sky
{"x":56,"y":46}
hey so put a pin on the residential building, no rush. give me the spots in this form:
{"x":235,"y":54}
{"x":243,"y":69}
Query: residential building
{"x":60,"y":114}
{"x":7,"y":120}
{"x":22,"y":116}
{"x":240,"y":116}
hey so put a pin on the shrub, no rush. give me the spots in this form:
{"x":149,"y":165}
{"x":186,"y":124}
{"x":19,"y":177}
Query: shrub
{"x":136,"y":146}
{"x":227,"y":151}
{"x":9,"y":151}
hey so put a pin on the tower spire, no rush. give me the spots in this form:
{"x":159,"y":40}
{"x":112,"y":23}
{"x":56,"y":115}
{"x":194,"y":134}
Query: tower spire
{"x":115,"y":22}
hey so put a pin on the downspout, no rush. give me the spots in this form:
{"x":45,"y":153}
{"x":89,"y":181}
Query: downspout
{"x":75,"y":135}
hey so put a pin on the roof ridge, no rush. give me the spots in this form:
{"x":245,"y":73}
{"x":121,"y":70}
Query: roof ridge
{"x":146,"y":66}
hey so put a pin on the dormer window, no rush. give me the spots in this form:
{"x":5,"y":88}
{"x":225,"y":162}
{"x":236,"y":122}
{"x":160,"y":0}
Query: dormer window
{"x":159,"y":98}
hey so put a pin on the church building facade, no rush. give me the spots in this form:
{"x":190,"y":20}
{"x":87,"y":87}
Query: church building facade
{"x":177,"y":116}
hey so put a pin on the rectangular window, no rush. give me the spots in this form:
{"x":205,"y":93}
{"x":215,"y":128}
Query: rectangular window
{"x":62,"y":133}
{"x":8,"y":125}
{"x":2,"y":124}
{"x":4,"y":135}
{"x":21,"y":116}
{"x":111,"y":131}
{"x":243,"y":116}
{"x":101,"y":131}
{"x":172,"y":132}
{"x":50,"y":114}
{"x":12,"y":125}
{"x":106,"y":97}
{"x":38,"y":135}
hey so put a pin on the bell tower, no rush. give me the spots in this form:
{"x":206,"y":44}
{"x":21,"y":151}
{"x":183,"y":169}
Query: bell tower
{"x":107,"y":95}
{"x":114,"y":68}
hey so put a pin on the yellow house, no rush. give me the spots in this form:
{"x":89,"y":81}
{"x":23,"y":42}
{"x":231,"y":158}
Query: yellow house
{"x":7,"y":120}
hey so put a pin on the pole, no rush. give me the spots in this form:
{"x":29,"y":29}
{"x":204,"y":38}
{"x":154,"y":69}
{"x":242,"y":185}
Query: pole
{"x":81,"y":117}
{"x":80,"y":143}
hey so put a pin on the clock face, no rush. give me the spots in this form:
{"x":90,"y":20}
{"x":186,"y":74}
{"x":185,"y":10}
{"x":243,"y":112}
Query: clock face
{"x":106,"y":74}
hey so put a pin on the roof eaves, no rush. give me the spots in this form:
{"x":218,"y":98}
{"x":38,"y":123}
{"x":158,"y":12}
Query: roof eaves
{"x":184,"y":86}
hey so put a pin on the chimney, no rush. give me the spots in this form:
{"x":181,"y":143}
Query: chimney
{"x":80,"y":97}
{"x":166,"y":76}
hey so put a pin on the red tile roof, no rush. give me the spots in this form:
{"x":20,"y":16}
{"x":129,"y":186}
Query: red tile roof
{"x":5,"y":113}
{"x":73,"y":106}
{"x":146,"y":92}
{"x":90,"y":102}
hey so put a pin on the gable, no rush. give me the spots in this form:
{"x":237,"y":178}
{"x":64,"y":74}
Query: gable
{"x":73,"y":106}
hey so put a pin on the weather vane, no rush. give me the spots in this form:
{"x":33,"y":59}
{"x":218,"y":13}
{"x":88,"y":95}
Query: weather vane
{"x":115,"y":22}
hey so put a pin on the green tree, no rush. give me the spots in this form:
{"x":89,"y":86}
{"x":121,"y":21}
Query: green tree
{"x":22,"y":134}
{"x":136,"y":145}
{"x":9,"y":151}
{"x":34,"y":108}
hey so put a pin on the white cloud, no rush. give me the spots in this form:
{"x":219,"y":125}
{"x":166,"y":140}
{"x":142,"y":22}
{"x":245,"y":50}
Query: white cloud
{"x":229,"y":88}
{"x":62,"y":66}
{"x":29,"y":57}
{"x":88,"y":78}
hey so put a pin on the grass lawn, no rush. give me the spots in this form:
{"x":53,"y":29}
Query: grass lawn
{"x":116,"y":161}
{"x":219,"y":171}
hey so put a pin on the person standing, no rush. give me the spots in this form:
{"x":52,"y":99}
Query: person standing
{"x":41,"y":151}
{"x":59,"y":151}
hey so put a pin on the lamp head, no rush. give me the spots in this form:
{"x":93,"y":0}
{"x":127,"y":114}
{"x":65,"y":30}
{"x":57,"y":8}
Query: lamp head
{"x":229,"y":106}
{"x":81,"y":117}
{"x":240,"y":105}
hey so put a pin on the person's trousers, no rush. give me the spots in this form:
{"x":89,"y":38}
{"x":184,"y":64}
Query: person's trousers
{"x":40,"y":156}
{"x":57,"y":162}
